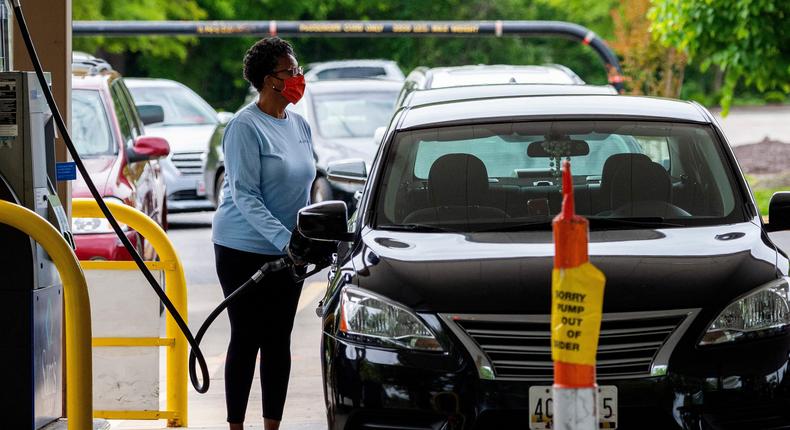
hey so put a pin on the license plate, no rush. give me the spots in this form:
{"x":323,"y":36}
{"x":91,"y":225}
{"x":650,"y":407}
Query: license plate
{"x":541,"y":408}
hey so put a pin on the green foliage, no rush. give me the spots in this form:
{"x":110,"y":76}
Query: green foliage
{"x":156,"y":47}
{"x":748,"y":39}
{"x":763,"y":198}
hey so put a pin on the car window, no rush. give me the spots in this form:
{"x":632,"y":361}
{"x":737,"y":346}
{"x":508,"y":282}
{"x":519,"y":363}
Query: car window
{"x":89,"y":124}
{"x":299,"y":108}
{"x":349,"y":115}
{"x":122,"y":114}
{"x":489,"y":176}
{"x":180,"y":104}
{"x":352,"y":73}
{"x":135,"y":122}
{"x":508,"y":158}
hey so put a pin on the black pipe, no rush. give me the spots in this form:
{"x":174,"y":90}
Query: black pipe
{"x":361,"y":29}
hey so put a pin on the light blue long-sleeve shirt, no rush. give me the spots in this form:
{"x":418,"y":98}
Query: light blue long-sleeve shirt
{"x":269,"y":169}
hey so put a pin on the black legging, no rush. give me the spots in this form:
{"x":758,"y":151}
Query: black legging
{"x":262,"y":319}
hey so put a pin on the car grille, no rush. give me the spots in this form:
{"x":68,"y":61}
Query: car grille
{"x":188,"y":163}
{"x":517,"y":347}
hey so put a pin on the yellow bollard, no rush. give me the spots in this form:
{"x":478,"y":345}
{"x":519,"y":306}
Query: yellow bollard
{"x":79,"y":395}
{"x":175,"y":286}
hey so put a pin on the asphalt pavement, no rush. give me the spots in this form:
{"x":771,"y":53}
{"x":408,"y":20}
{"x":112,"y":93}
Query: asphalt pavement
{"x":304,"y":408}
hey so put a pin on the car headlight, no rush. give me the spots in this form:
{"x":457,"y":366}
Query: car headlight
{"x":763,"y":312}
{"x":370,"y":318}
{"x":93,"y":225}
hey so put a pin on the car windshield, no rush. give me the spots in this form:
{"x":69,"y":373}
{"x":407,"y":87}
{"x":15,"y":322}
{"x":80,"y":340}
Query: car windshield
{"x":491,"y":177}
{"x":181,"y":105}
{"x":348,"y":115}
{"x":90,"y":127}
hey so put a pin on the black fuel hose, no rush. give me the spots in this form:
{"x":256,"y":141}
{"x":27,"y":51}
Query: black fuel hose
{"x":20,"y":18}
{"x":254,"y":279}
{"x":269,"y":267}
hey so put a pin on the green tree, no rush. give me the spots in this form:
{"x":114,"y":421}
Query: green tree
{"x":650,"y":67}
{"x":144,"y":10}
{"x":748,"y":39}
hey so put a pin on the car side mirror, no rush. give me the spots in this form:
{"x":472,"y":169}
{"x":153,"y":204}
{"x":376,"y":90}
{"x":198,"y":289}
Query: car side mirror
{"x":224,"y":117}
{"x":378,"y":135}
{"x":148,"y":147}
{"x":151,"y":114}
{"x":353,"y":171}
{"x":324,"y":221}
{"x":779,"y":211}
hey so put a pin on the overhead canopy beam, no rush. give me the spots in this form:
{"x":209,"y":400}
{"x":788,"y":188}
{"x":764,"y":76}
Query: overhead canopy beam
{"x":361,"y":29}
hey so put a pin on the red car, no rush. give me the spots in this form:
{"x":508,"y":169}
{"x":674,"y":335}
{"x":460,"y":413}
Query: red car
{"x":123,"y":163}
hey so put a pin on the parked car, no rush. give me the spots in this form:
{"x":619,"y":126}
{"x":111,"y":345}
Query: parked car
{"x":423,"y":78}
{"x":354,"y":69}
{"x":437,"y":312}
{"x":343,"y":116}
{"x":188,"y":125}
{"x":123,"y":161}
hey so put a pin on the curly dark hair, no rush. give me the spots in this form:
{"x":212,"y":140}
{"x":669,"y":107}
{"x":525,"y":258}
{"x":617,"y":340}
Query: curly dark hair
{"x":261,"y":59}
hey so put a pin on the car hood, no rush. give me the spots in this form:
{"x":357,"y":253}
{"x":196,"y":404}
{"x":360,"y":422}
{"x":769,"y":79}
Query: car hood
{"x":328,"y":150}
{"x":184,"y":138}
{"x":675,"y":268}
{"x":101,"y":170}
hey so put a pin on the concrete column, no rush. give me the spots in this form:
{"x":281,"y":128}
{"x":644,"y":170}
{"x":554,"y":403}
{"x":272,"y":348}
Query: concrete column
{"x":49,"y":22}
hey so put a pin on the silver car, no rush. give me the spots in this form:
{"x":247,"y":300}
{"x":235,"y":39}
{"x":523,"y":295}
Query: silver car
{"x":188,"y":125}
{"x":354,"y":69}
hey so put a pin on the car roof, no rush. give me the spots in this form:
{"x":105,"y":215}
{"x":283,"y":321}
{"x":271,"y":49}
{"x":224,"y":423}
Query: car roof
{"x":551,"y":107}
{"x":390,"y":68}
{"x":500,"y":74}
{"x":353,"y":85}
{"x":441,"y":95}
{"x":89,"y":72}
{"x":351,"y":63}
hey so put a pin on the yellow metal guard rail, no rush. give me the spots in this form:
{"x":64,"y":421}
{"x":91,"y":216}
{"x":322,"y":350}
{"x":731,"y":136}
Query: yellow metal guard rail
{"x":79,"y":395}
{"x":175,"y":287}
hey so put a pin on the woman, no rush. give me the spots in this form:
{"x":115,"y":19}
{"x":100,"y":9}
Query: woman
{"x":269,"y":168}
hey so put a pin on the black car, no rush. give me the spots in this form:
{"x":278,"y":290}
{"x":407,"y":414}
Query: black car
{"x":437,"y":310}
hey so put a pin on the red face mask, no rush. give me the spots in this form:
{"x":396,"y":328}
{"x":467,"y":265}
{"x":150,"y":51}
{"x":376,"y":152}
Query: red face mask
{"x":293,"y":88}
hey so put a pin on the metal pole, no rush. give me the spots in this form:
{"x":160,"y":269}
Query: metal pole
{"x":5,"y":41}
{"x":497,"y":28}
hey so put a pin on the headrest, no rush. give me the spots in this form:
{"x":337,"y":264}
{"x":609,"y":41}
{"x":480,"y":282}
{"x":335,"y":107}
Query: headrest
{"x":458,"y":180}
{"x":634,"y":177}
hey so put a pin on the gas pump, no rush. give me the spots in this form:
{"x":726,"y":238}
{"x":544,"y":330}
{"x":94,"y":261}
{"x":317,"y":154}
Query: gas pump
{"x":31,"y":293}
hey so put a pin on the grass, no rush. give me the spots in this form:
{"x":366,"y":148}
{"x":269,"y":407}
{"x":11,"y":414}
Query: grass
{"x":763,"y":197}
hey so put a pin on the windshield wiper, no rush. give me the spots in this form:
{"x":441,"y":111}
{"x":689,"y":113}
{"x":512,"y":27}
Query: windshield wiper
{"x":423,"y":228}
{"x":644,"y":222}
{"x":526,"y":226}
